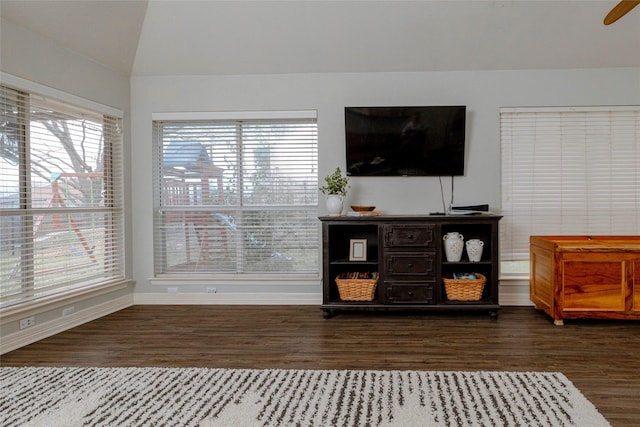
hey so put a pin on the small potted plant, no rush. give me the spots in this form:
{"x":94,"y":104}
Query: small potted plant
{"x":336,"y":186}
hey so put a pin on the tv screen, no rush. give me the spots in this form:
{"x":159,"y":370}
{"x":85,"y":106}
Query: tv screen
{"x":405,"y":141}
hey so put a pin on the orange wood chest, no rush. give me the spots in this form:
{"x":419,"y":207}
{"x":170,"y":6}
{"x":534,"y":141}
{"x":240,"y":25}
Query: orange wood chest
{"x":586,"y":276}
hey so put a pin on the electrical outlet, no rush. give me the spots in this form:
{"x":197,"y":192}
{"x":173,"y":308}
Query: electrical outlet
{"x":27,"y":322}
{"x":211,"y":290}
{"x":172,"y":290}
{"x":68,"y":311}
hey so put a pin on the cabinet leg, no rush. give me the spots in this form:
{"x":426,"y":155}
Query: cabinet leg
{"x":558,"y":322}
{"x":327,"y":314}
{"x":493,"y":315}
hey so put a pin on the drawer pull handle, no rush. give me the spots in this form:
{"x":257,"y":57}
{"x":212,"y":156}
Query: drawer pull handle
{"x":410,"y":293}
{"x":410,"y":265}
{"x":410,"y":237}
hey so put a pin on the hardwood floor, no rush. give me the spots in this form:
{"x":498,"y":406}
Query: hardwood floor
{"x":602,"y":358}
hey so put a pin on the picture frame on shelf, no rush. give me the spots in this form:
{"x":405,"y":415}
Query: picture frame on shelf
{"x":358,"y":250}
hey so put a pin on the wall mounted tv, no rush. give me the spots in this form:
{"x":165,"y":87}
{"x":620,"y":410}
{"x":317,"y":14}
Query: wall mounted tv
{"x":405,"y":141}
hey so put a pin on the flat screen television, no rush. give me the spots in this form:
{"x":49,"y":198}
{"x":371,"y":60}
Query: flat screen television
{"x":405,"y":141}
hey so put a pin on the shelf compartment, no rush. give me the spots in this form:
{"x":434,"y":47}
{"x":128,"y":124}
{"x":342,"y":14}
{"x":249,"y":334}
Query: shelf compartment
{"x":340,"y":236}
{"x":480,"y":231}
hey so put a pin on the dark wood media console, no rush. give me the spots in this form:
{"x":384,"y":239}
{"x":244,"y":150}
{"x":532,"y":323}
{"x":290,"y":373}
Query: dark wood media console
{"x":407,"y":252}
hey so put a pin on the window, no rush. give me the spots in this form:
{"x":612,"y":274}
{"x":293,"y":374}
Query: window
{"x":567,"y":171}
{"x":61,"y":217}
{"x":236,"y":196}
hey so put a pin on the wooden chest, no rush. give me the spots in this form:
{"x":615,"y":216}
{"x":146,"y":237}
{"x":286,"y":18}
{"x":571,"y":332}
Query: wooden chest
{"x":586,"y":276}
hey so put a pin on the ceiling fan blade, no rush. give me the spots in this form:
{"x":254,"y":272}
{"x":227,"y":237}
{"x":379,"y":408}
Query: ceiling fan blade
{"x":620,"y":10}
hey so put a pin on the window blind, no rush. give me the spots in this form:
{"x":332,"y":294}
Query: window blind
{"x":61,"y":214}
{"x":236,"y":196}
{"x":568,"y":171}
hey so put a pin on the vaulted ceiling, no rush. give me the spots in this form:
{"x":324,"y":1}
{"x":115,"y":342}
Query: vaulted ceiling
{"x":104,"y":31}
{"x":207,"y":37}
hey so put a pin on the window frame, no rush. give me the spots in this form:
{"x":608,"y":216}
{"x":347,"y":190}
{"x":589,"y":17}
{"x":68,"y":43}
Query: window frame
{"x":112,"y":210}
{"x":249,"y":118}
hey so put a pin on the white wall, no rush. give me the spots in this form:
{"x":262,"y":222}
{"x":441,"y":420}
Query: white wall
{"x":483,"y":93}
{"x":27,"y":55}
{"x":30,"y":57}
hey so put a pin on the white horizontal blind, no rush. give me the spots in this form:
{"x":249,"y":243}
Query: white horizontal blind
{"x":568,"y":171}
{"x":236,"y":196}
{"x":61,"y":215}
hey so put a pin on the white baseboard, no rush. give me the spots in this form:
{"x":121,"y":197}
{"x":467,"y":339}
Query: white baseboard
{"x":44,"y":330}
{"x":514,"y":292}
{"x":515,"y":299}
{"x":199,"y":298}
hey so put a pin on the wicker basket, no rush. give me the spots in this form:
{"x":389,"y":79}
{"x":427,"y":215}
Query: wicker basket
{"x":357,"y":286}
{"x":465,"y":289}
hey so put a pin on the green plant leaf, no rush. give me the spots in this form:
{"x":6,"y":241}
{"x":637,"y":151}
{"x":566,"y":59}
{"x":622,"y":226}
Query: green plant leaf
{"x":336,"y":183}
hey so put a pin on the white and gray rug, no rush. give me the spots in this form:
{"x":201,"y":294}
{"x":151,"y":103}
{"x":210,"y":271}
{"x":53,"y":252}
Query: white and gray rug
{"x":243,"y":397}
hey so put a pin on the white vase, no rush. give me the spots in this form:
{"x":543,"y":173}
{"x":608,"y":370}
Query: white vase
{"x":474,"y":249}
{"x":334,"y":204}
{"x":453,"y":246}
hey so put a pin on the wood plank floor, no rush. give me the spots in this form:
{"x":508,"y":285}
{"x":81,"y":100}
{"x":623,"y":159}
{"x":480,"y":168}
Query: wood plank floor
{"x":602,"y":358}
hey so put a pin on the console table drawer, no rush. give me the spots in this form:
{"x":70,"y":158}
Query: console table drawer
{"x":409,"y":236}
{"x":402,"y":293}
{"x":413,"y":264}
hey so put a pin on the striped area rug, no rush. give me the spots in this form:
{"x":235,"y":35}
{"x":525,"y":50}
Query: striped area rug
{"x":243,"y":397}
